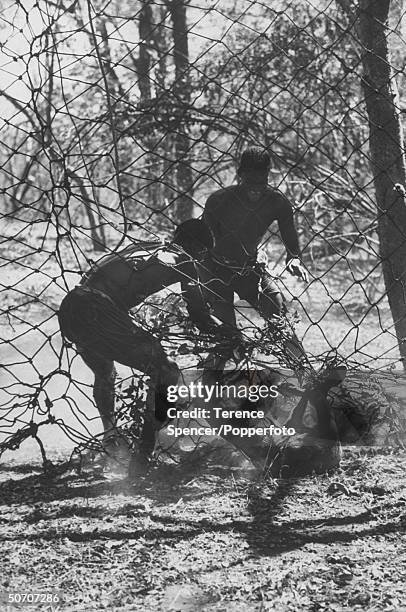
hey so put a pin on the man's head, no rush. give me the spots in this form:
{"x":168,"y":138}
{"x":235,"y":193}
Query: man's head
{"x":253,"y":171}
{"x":194,"y":237}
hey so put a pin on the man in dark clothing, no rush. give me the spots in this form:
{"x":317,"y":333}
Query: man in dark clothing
{"x":94,"y":315}
{"x":238,"y":218}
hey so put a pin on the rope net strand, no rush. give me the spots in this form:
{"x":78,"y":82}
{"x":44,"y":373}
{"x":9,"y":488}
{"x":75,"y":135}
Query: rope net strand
{"x":120,"y":118}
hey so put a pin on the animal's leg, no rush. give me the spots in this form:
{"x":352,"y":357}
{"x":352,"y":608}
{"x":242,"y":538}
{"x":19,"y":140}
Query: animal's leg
{"x":296,"y":419}
{"x":317,"y":397}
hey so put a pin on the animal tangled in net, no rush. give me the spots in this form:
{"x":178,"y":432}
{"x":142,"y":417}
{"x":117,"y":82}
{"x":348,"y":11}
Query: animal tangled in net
{"x":365,"y":412}
{"x":119,"y":120}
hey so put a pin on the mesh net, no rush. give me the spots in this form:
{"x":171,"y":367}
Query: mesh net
{"x":120,"y":118}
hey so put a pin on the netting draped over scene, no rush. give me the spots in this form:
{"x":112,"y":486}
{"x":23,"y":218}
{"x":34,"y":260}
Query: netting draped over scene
{"x":119,"y":119}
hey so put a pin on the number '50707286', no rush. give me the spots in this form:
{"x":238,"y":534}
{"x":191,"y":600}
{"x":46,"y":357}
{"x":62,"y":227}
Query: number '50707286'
{"x":28,"y":598}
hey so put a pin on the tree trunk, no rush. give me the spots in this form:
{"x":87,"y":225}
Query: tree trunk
{"x":144,"y":59}
{"x":183,"y":206}
{"x":387,"y":157}
{"x":98,"y":237}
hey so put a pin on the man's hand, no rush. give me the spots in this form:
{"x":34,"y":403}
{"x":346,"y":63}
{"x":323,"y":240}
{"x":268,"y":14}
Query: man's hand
{"x":296,"y":268}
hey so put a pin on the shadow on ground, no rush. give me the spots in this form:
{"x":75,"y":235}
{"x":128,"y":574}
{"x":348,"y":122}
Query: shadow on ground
{"x":214,"y":530}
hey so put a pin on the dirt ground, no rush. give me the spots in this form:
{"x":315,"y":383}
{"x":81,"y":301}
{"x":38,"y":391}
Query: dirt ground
{"x":204,"y":537}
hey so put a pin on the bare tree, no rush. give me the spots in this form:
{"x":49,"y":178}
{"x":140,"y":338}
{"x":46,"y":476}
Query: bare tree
{"x":144,"y":60}
{"x":182,"y":93}
{"x":387,"y":156}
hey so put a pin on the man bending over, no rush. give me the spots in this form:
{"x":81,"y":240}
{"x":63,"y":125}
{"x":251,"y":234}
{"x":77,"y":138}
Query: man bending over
{"x":95,"y":316}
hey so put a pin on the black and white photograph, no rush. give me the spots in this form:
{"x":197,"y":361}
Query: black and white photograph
{"x":203,"y":305}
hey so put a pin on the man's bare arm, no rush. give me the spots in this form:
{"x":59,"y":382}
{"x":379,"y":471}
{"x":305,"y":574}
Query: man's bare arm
{"x":210,"y":217}
{"x":287,"y":229}
{"x":291,"y":241}
{"x":197,"y":307}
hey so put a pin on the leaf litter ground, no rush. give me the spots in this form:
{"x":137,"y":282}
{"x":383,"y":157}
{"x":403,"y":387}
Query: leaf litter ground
{"x":209,"y":538}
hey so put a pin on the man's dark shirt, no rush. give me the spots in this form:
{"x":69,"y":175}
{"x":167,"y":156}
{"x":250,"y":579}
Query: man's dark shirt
{"x":238,"y":225}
